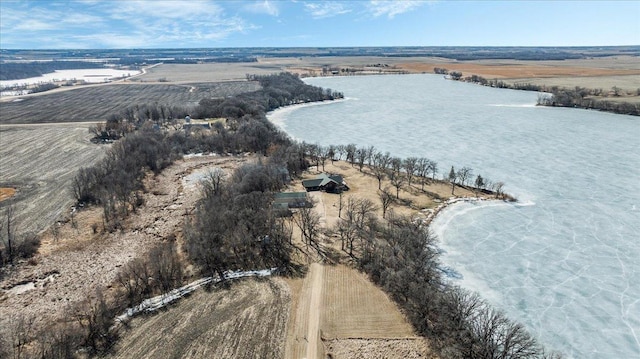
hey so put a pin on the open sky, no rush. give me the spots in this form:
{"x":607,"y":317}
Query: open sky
{"x":58,"y":24}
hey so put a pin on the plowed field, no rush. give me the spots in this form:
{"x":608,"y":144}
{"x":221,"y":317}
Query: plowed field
{"x":246,"y":321}
{"x":95,"y":103}
{"x":352,"y":307}
{"x":39,"y":163}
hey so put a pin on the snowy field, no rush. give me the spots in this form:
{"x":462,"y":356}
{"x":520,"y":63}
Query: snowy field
{"x":86,"y":75}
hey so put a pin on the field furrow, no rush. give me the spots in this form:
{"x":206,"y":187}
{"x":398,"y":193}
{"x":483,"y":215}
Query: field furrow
{"x":247,"y":320}
{"x":96,"y":103}
{"x":40,"y":162}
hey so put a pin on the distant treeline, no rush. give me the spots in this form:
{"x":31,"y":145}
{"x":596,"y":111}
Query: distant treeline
{"x":579,"y":97}
{"x":249,"y":54}
{"x":23,"y":70}
{"x":139,"y":61}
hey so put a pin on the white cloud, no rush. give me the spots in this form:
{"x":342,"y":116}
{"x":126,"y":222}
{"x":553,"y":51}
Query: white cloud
{"x":326,"y":9}
{"x":162,"y":10}
{"x":118,"y":24}
{"x":391,"y":8}
{"x":263,"y":7}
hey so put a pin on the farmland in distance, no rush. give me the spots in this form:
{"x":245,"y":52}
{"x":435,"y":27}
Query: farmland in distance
{"x":95,"y":103}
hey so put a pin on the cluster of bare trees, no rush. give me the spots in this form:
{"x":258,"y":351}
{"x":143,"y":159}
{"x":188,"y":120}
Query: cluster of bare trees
{"x":584,"y":98}
{"x":278,"y":90}
{"x":234,"y":226}
{"x":463,"y":176}
{"x":89,"y":326}
{"x":159,"y":272}
{"x":14,"y":244}
{"x":401,"y":256}
{"x":115,"y":182}
{"x":560,"y":96}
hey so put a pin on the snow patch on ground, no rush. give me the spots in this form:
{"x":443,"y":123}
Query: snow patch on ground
{"x":160,"y":301}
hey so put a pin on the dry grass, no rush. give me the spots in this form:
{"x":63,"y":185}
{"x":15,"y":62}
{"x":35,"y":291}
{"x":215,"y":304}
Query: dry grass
{"x":412,"y":200}
{"x":209,"y":72}
{"x":352,"y":307}
{"x":6,"y":193}
{"x":405,"y":348}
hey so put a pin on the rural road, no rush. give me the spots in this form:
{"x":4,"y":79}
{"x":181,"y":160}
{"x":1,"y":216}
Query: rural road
{"x":316,"y":274}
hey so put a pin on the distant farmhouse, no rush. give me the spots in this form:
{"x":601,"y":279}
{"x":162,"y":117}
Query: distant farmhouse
{"x":331,"y":183}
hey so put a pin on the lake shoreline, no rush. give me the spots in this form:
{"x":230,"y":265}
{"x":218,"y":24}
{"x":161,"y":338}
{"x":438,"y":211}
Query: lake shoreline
{"x":626,"y":105}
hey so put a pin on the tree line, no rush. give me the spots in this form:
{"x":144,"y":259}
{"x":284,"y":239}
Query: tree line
{"x":23,"y":70}
{"x":402,"y":172}
{"x":579,"y":97}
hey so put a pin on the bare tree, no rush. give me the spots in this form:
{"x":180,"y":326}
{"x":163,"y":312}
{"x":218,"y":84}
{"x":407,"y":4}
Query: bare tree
{"x":212,"y":183}
{"x":331,"y":152}
{"x":96,"y":317}
{"x":452,"y":179}
{"x":386,"y":198}
{"x":379,"y":168}
{"x":479,"y":184}
{"x":422,"y":170}
{"x":464,"y":174}
{"x":358,"y":213}
{"x":498,"y":187}
{"x":371,"y":151}
{"x":340,"y":150}
{"x":323,"y":155}
{"x":21,"y":330}
{"x":165,"y":266}
{"x":8,"y":233}
{"x":410,"y":166}
{"x":350,"y":150}
{"x":308,"y":221}
{"x":397,"y":180}
{"x":433,"y":167}
{"x":361,"y":157}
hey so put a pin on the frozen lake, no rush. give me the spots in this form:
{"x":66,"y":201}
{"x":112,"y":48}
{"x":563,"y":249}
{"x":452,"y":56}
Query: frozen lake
{"x":564,"y":260}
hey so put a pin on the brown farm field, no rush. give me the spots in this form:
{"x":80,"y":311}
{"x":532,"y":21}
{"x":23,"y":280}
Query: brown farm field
{"x":96,"y":103}
{"x":39,"y":162}
{"x":248,"y":320}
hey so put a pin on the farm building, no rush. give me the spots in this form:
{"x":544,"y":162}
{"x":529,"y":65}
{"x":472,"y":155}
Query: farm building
{"x":326,"y":182}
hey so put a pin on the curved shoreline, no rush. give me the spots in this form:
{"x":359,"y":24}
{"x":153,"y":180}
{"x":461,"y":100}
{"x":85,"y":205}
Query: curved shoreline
{"x":286,"y":109}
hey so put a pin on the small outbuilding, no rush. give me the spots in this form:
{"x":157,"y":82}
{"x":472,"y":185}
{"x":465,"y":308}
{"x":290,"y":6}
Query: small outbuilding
{"x":286,"y":200}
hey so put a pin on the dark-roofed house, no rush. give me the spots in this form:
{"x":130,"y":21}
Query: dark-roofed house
{"x":326,"y":182}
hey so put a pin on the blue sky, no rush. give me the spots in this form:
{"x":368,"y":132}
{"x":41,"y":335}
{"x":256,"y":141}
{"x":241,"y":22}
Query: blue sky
{"x":56,"y":24}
